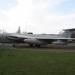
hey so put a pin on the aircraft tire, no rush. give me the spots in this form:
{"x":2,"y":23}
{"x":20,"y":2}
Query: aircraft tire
{"x":34,"y":45}
{"x":14,"y":45}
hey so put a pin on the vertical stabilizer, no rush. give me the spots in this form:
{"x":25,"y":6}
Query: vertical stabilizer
{"x":19,"y":30}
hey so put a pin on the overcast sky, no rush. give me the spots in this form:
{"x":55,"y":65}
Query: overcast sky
{"x":37,"y":16}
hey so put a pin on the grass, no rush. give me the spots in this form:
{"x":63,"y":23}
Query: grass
{"x":29,"y":62}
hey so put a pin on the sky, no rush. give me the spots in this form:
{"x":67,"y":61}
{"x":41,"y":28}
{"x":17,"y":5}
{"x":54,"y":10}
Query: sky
{"x":37,"y":16}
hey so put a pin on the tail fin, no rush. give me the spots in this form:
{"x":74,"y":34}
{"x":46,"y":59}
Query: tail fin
{"x":19,"y":31}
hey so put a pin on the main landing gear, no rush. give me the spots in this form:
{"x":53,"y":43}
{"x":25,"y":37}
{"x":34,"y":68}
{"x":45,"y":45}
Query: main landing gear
{"x":35,"y":45}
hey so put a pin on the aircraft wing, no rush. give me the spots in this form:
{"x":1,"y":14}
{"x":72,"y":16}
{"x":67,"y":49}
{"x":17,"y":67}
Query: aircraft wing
{"x":37,"y":39}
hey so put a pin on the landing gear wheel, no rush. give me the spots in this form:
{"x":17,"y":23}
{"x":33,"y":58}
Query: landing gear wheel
{"x":13,"y":45}
{"x":34,"y":45}
{"x":38,"y":46}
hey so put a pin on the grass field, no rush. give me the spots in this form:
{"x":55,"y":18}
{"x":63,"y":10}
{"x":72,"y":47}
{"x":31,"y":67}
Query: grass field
{"x":36,"y":62}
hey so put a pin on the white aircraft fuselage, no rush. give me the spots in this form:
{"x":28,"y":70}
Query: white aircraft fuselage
{"x":36,"y":39}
